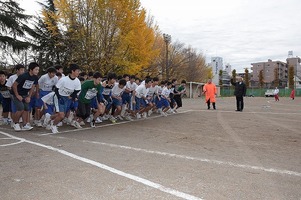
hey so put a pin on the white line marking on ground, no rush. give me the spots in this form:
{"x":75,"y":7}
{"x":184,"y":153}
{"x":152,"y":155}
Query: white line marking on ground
{"x":113,"y":170}
{"x":284,"y":172}
{"x":112,"y":124}
{"x":10,"y":144}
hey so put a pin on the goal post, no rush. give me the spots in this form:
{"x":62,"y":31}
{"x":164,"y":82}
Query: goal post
{"x":195,"y":89}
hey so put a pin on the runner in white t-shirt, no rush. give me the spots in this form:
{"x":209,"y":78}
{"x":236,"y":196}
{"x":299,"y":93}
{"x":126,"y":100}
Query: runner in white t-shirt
{"x":46,"y":84}
{"x":66,"y":90}
{"x":140,"y":98}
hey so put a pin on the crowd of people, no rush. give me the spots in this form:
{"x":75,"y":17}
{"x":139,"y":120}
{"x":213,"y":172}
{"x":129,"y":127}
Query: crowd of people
{"x":77,"y":98}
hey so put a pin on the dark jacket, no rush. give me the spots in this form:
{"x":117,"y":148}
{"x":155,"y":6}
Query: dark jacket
{"x":240,"y":88}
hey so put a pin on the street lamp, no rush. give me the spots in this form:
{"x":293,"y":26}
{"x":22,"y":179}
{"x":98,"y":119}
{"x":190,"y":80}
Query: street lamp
{"x":167,"y":40}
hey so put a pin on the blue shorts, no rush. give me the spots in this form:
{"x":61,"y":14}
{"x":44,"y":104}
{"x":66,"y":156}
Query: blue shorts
{"x":116,"y":102}
{"x":6,"y":104}
{"x":13,"y":107}
{"x":73,"y":106}
{"x":39,"y":102}
{"x":126,"y":98}
{"x":32,"y":103}
{"x":94,"y":103}
{"x":140,"y":102}
{"x":163,"y":103}
{"x":62,"y":104}
{"x":109,"y":100}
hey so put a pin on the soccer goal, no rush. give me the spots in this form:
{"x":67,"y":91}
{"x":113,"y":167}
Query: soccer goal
{"x":195,"y":89}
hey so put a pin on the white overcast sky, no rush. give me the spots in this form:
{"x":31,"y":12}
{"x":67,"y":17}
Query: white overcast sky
{"x":239,"y":31}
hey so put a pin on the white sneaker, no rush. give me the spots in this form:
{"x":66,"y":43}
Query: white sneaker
{"x":105,"y":117}
{"x":144,"y":115}
{"x":88,"y":119}
{"x":92,"y":124}
{"x":119,"y":117}
{"x":149,"y":113}
{"x":46,"y":120}
{"x":113,"y":119}
{"x":163,"y":114}
{"x":37,"y":123}
{"x":12,"y":124}
{"x":138,"y":116}
{"x":75,"y":124}
{"x":65,"y":120}
{"x":17,"y":127}
{"x":82,"y":123}
{"x":27,"y":127}
{"x":98,"y":120}
{"x":48,"y":127}
{"x":71,"y":116}
{"x":128,"y":118}
{"x":53,"y":129}
{"x":60,"y":124}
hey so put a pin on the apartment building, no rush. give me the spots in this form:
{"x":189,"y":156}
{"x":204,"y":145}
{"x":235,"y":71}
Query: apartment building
{"x":217,"y":65}
{"x":268,"y":69}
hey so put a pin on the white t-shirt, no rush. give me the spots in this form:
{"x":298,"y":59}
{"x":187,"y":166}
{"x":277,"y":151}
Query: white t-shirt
{"x":116,"y":91}
{"x":46,"y":83}
{"x":11,"y":80}
{"x":67,"y":86}
{"x":141,"y":90}
{"x":160,"y":89}
{"x":131,"y":86}
{"x":48,"y":99}
{"x":152,"y":90}
{"x":165,"y":92}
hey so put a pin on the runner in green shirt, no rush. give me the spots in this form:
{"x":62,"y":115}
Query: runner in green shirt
{"x":90,"y":90}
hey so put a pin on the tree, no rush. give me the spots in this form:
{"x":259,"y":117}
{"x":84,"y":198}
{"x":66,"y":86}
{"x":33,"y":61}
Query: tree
{"x":107,"y":35}
{"x":291,"y":73}
{"x":49,"y":42}
{"x":220,"y":74}
{"x":13,"y":26}
{"x":234,"y":75}
{"x":247,"y":77}
{"x":260,"y":76}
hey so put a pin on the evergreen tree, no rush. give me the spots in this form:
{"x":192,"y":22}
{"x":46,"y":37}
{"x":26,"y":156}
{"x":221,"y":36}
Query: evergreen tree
{"x":13,"y":26}
{"x":220,"y":77}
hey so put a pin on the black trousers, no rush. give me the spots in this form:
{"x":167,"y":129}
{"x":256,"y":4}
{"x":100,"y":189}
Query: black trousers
{"x":208,"y":104}
{"x":84,"y":110}
{"x":240,"y":103}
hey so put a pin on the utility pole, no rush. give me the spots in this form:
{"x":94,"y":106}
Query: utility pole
{"x":167,"y":40}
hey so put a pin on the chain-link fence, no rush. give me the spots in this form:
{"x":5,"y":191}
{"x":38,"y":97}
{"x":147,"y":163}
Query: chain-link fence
{"x":257,"y":92}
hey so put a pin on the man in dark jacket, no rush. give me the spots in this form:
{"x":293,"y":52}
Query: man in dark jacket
{"x":240,"y":92}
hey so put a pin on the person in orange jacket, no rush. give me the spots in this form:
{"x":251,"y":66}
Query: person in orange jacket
{"x":209,"y":90}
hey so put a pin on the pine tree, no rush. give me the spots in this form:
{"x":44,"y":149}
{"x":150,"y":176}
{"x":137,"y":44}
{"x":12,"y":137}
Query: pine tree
{"x":13,"y":26}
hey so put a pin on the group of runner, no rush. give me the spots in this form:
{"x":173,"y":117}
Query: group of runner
{"x":78,"y":98}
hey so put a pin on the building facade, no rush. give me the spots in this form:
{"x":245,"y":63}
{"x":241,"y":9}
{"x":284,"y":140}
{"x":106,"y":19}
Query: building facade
{"x":270,"y":69}
{"x":217,"y":65}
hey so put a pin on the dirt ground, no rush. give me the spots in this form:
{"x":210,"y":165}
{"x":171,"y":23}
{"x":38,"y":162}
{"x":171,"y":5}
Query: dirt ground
{"x":194,"y":154}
